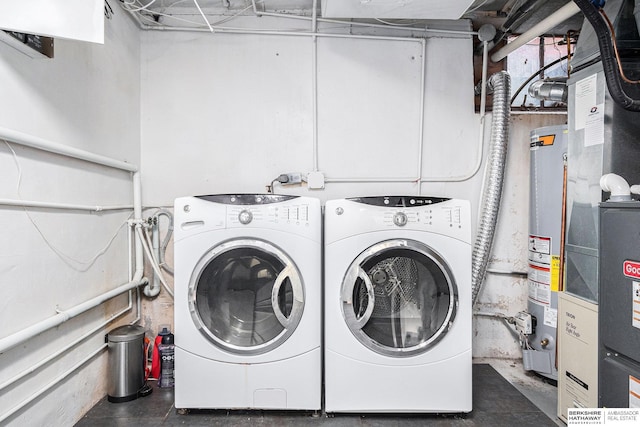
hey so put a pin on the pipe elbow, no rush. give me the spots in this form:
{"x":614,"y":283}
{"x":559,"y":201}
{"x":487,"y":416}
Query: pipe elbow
{"x":617,"y":186}
{"x":150,"y":290}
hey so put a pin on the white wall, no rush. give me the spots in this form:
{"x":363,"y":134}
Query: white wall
{"x":87,"y":97}
{"x":228,"y":113}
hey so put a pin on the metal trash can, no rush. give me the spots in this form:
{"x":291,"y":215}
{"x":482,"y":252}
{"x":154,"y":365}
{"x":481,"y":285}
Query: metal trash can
{"x":126,"y":363}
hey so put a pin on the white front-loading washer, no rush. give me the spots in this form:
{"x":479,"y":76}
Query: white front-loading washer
{"x":398,"y":305}
{"x":248,"y":302}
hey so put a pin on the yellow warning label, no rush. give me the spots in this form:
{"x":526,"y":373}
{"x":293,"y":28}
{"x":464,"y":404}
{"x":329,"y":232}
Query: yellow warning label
{"x":555,"y":272}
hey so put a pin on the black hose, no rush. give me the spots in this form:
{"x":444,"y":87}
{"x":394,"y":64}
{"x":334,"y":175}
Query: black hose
{"x":609,"y":63}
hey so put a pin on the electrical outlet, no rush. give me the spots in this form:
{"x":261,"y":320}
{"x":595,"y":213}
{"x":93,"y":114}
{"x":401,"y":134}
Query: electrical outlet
{"x":290,"y":178}
{"x":294,"y":178}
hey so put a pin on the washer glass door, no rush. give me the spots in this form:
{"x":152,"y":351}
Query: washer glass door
{"x":246,"y":296}
{"x":399,"y":297}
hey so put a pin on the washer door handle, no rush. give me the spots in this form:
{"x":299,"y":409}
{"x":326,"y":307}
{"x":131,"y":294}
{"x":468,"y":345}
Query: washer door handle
{"x":298,"y":299}
{"x":356,"y":321}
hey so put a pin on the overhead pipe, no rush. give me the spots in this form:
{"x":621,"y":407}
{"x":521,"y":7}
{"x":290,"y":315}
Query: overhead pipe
{"x":542,"y":27}
{"x":609,"y":61}
{"x":231,"y":30}
{"x":500,"y":84}
{"x":355,"y":23}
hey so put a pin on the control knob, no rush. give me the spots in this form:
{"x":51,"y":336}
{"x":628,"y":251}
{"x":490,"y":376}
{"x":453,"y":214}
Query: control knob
{"x":245,"y":217}
{"x":400,"y":219}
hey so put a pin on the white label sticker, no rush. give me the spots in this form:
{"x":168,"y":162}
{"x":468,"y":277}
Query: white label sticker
{"x":550,"y":316}
{"x":594,"y":126}
{"x":586,"y":90}
{"x":539,"y":293}
{"x":540,"y":273}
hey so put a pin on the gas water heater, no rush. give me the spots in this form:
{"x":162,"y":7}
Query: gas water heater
{"x":537,"y":326}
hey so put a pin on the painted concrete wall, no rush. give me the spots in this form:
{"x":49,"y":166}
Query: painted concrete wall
{"x":87,"y":97}
{"x":229,"y":113}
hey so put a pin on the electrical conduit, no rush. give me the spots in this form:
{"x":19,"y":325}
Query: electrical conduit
{"x":500,"y":83}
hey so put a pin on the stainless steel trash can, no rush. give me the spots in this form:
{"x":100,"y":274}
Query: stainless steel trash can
{"x":126,"y":363}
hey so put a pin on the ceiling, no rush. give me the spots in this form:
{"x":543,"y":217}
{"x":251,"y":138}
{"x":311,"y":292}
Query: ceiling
{"x":508,"y":16}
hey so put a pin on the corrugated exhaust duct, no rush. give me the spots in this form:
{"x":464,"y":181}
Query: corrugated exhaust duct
{"x":500,"y":85}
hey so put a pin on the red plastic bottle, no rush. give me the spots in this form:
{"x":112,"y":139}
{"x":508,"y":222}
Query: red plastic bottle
{"x":155,"y":358}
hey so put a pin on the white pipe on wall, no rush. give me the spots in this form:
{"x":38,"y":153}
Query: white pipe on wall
{"x":65,"y":150}
{"x":65,"y":206}
{"x":19,"y":337}
{"x":423,"y":85}
{"x":137,"y":215}
{"x":51,"y":384}
{"x":314,"y":83}
{"x":556,"y":18}
{"x":69,"y":346}
{"x":137,"y":280}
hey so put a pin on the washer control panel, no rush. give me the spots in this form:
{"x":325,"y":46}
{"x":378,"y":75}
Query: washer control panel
{"x":449,"y":216}
{"x":291,"y":213}
{"x":257,"y":213}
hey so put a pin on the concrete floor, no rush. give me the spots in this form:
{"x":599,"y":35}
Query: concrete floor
{"x":504,"y":395}
{"x":537,"y":389}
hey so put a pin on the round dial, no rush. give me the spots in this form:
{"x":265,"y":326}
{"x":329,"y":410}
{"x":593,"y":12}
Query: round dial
{"x":245,"y":217}
{"x":400,"y":219}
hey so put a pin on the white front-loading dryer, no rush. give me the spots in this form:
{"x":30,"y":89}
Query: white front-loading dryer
{"x":248,"y":302}
{"x":398,"y":305}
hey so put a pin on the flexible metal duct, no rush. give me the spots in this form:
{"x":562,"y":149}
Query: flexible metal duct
{"x":500,"y":84}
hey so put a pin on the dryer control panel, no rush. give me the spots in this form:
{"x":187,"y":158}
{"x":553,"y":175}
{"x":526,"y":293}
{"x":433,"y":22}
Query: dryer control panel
{"x":450,"y":217}
{"x":293,"y":214}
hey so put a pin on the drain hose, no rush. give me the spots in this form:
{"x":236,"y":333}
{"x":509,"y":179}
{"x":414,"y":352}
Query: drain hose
{"x":500,"y":84}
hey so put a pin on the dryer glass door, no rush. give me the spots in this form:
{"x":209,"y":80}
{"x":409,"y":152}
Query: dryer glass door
{"x":399,"y":297}
{"x":246,"y":296}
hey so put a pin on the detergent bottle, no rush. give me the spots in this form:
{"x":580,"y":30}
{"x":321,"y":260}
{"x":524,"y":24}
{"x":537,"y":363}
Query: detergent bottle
{"x":155,"y":356}
{"x":166,"y":350}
